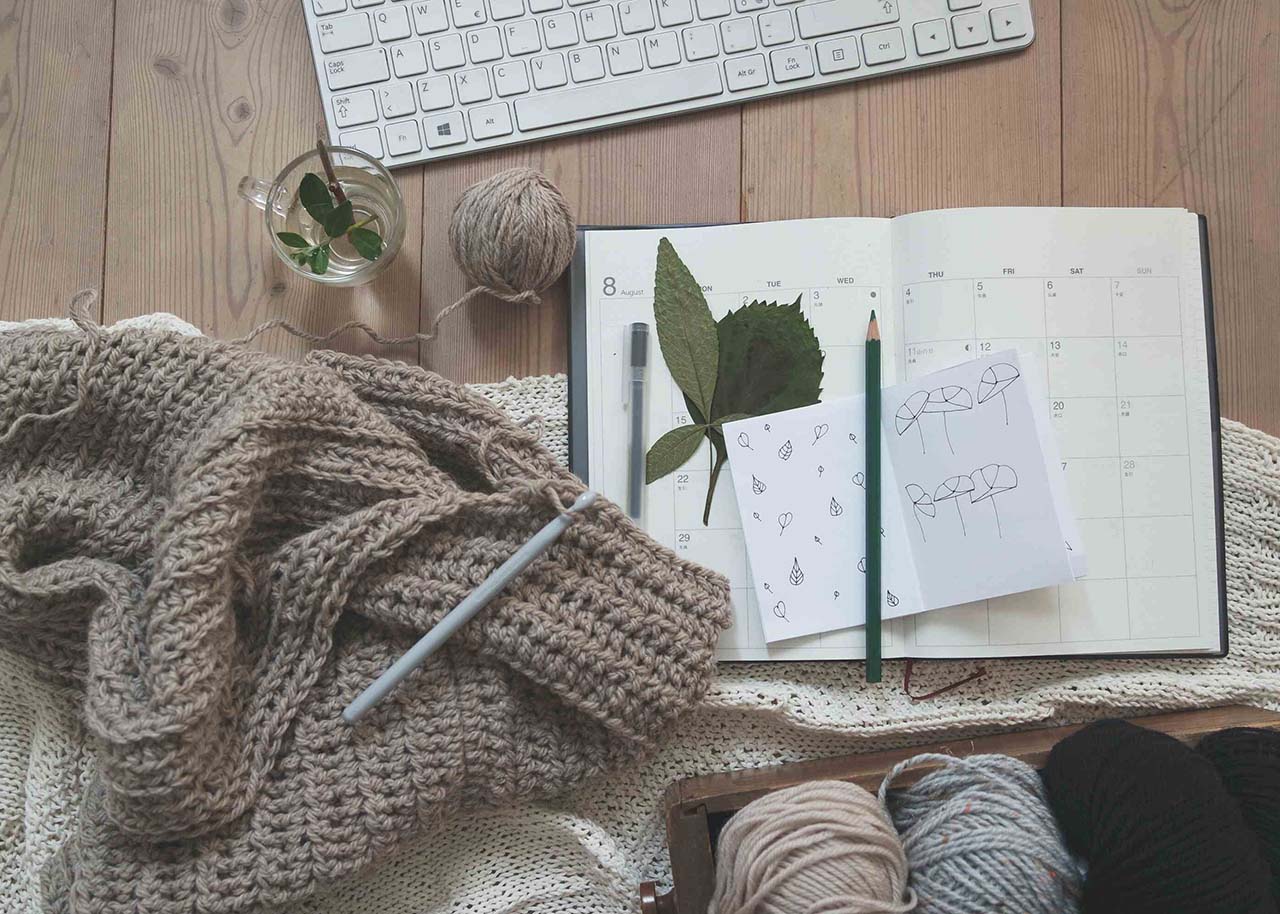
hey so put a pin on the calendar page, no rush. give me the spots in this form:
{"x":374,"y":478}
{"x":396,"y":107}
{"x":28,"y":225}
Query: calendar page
{"x":1109,"y":304}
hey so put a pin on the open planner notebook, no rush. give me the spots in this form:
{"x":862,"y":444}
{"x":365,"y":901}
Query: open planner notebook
{"x":1111,"y":309}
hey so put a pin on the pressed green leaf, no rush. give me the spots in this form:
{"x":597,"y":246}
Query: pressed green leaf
{"x":769,"y":360}
{"x":672,"y":451}
{"x":338,"y":221}
{"x":367,"y":242}
{"x":320,"y":259}
{"x":293,"y":239}
{"x":686,"y":329}
{"x":314,"y":195}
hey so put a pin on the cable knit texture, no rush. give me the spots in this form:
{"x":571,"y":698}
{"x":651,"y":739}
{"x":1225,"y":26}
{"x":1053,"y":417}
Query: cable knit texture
{"x":217,"y":550}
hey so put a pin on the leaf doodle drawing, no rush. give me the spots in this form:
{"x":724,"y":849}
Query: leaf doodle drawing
{"x":862,"y":564}
{"x":797,"y":576}
{"x":780,"y":610}
{"x":757,"y":486}
{"x":921,"y":505}
{"x":784,"y":521}
{"x":744,"y":440}
{"x":990,"y":481}
{"x":786,"y":450}
{"x":995,"y":380}
{"x":890,"y":598}
{"x":820,"y":470}
{"x":951,"y":490}
{"x":819,"y":431}
{"x":835,"y":508}
{"x":860,"y":480}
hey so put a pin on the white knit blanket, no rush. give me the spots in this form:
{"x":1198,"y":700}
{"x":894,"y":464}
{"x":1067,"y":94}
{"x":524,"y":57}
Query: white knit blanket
{"x":586,"y":852}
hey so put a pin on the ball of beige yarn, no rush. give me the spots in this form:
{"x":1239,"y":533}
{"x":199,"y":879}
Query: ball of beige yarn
{"x":821,"y":846}
{"x":513,"y":234}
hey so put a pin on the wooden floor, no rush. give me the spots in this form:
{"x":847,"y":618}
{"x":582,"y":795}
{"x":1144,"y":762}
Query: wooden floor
{"x":125,"y":127}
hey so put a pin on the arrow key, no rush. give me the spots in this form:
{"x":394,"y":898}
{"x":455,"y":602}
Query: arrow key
{"x":353,"y":108}
{"x":931,"y":37}
{"x":970,"y":29}
{"x":1008,"y":22}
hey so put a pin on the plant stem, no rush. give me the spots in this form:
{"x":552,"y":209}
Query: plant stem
{"x":711,"y":487}
{"x":330,"y":175}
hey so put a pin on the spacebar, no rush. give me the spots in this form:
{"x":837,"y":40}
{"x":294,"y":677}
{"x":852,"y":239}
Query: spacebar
{"x":619,"y":95}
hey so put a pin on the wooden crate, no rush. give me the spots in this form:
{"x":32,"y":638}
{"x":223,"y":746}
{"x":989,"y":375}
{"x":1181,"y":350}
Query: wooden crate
{"x":697,"y":808}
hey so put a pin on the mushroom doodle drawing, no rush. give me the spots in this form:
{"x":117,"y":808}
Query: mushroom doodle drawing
{"x":990,"y":481}
{"x":941,"y":401}
{"x":921,"y":505}
{"x":951,"y":490}
{"x":995,"y":380}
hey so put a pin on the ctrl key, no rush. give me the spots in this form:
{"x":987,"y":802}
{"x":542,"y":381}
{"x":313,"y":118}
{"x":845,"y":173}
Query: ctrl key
{"x":745,"y":72}
{"x":444,"y":129}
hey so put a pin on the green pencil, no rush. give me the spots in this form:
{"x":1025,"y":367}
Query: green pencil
{"x":872,"y":445}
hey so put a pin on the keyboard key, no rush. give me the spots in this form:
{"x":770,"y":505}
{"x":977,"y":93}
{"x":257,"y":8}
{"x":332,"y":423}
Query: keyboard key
{"x":560,"y":30}
{"x":713,"y":9}
{"x":674,"y":12}
{"x":328,"y":7}
{"x":548,"y":71}
{"x":490,"y":121}
{"x":429,"y":16}
{"x":750,"y":6}
{"x":467,"y":12}
{"x":545,"y":6}
{"x":409,"y":59}
{"x":435,"y":92}
{"x":368,"y":141}
{"x":473,"y":85}
{"x":446,"y":52}
{"x":444,"y":129}
{"x":580,"y":2}
{"x":392,"y":23}
{"x":970,"y":29}
{"x":510,"y":78}
{"x":598,"y":23}
{"x":776,"y":28}
{"x":833,"y":16}
{"x":358,"y":4}
{"x":397,"y":100}
{"x":791,"y":63}
{"x":745,"y":73}
{"x":354,"y":108}
{"x":662,"y":49}
{"x":931,"y":37}
{"x":700,"y":42}
{"x":403,"y":138}
{"x":635,"y":16}
{"x":738,"y":35}
{"x":956,"y":5}
{"x":343,"y":33}
{"x":883,"y":46}
{"x":838,"y":54}
{"x":358,"y":69}
{"x":484,"y":45}
{"x":505,"y":9}
{"x":624,"y":57}
{"x":619,"y":96}
{"x":522,"y":37}
{"x":1007,"y":23}
{"x":586,"y":64}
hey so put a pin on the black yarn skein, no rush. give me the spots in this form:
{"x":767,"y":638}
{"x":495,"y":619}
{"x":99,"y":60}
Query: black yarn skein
{"x":1248,"y":761}
{"x":1158,"y":829}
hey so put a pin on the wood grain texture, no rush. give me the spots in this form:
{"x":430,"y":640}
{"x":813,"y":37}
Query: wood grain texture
{"x":683,"y":169}
{"x":55,"y":78}
{"x":973,"y":134}
{"x":1178,"y":104}
{"x":207,"y":91}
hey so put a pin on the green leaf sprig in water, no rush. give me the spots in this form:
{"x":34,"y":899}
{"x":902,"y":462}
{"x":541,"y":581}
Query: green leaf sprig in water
{"x":762,"y":358}
{"x":337,"y":220}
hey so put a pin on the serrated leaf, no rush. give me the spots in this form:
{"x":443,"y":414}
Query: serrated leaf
{"x":672,"y":451}
{"x":686,"y":330}
{"x":338,"y":221}
{"x":320,"y":259}
{"x":769,"y":360}
{"x":315,"y":198}
{"x":293,"y":239}
{"x":367,"y":243}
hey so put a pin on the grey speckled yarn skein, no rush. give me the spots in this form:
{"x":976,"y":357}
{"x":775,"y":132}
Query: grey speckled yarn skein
{"x":821,"y":847}
{"x":980,"y":838}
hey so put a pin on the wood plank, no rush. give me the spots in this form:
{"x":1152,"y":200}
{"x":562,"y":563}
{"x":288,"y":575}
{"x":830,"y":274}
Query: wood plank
{"x":55,"y":114}
{"x":973,"y":134}
{"x":677,"y":170}
{"x":207,"y":91}
{"x":1179,"y":105}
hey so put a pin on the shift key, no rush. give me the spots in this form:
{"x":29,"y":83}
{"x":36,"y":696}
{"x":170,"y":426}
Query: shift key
{"x":833,"y":16}
{"x":356,"y":69}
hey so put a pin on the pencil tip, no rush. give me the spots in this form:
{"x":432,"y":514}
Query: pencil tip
{"x":873,"y":328}
{"x":873,"y":315}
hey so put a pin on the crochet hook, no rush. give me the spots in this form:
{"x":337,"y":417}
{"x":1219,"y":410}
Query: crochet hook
{"x":475,"y":601}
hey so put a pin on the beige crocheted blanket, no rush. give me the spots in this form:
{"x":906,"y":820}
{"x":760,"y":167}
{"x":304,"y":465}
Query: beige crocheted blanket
{"x":585,"y":852}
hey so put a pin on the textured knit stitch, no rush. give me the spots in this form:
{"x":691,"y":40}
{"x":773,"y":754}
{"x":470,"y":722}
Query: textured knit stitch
{"x":220,"y":549}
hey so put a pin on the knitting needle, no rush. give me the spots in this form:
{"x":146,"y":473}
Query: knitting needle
{"x":475,"y":601}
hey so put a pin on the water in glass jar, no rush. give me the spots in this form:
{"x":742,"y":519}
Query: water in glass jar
{"x":373,"y":206}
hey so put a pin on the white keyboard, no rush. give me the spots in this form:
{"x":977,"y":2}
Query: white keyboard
{"x":414,"y":80}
